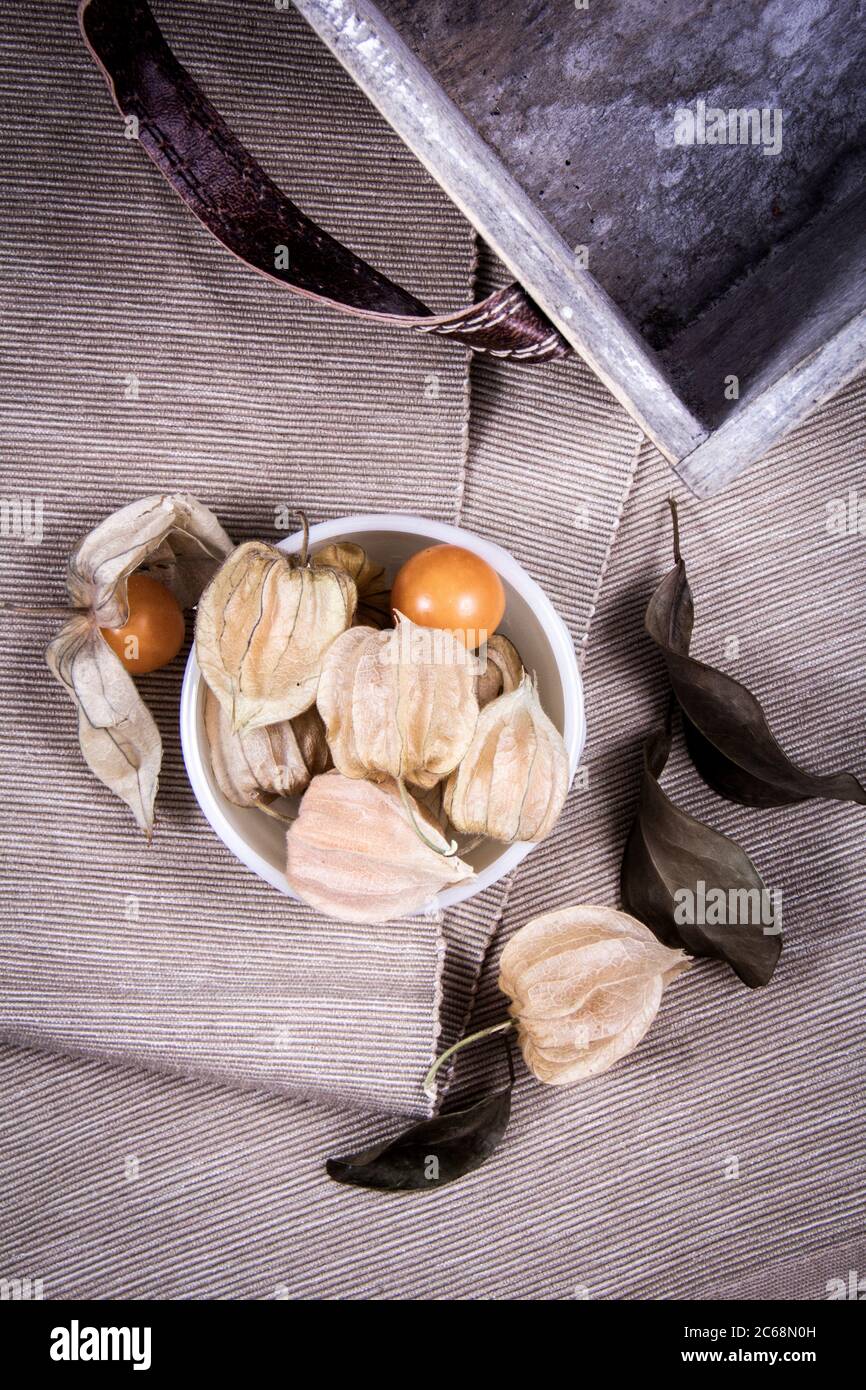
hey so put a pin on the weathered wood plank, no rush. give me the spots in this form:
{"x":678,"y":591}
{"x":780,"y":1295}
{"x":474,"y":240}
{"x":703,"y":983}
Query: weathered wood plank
{"x":766,"y":418}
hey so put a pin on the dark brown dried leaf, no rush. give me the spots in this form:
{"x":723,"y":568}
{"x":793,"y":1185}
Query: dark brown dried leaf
{"x":668,"y":851}
{"x":432,"y":1153}
{"x":726,"y":730}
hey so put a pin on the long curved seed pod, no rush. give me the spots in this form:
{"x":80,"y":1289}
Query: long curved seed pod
{"x":728,"y":737}
{"x":674,"y":865}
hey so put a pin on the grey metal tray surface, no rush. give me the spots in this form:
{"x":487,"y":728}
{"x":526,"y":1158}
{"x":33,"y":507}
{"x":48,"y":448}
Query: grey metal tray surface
{"x":680,"y":186}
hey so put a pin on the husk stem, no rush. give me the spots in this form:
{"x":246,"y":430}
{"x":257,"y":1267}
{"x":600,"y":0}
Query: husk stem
{"x":410,"y":812}
{"x":675,"y":517}
{"x":428,"y":1087}
{"x":272,"y":811}
{"x":39,"y":611}
{"x":305,"y":543}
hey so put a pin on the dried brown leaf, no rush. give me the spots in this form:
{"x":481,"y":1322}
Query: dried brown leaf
{"x":727,"y":733}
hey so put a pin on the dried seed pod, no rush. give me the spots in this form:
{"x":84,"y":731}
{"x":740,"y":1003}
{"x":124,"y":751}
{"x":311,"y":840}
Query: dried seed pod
{"x":181,"y":543}
{"x":727,"y":734}
{"x":585,"y":984}
{"x":503,"y":671}
{"x":354,"y":854}
{"x":668,"y":851}
{"x":278,"y":760}
{"x":374,"y":594}
{"x":513,"y":780}
{"x":263,"y":626}
{"x":398,"y":704}
{"x":178,"y":540}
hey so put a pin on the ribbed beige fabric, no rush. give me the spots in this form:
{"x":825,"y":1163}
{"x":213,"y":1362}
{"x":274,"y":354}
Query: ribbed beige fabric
{"x":732,"y":1140}
{"x":725,"y":1154}
{"x":147,"y":358}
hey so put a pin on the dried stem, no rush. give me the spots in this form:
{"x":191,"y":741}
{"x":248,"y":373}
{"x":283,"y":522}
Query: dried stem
{"x":305,"y":544}
{"x":675,"y":517}
{"x":505,"y":1027}
{"x":16,"y":610}
{"x":272,"y":811}
{"x":413,"y":821}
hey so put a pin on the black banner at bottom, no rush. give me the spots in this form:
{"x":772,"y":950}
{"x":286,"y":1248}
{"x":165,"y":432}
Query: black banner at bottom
{"x":83,"y":1340}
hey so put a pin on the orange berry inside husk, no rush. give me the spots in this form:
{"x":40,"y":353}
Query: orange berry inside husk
{"x":153,"y":633}
{"x":449,"y":587}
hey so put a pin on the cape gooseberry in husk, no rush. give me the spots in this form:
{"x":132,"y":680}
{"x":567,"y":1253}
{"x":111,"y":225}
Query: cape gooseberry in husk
{"x":398,"y":704}
{"x":585,"y":984}
{"x":513,"y":779}
{"x":374,"y":596}
{"x":263,"y":626}
{"x":503,"y":670}
{"x":355,"y":851}
{"x":253,"y":769}
{"x":153,"y":632}
{"x":182,"y":543}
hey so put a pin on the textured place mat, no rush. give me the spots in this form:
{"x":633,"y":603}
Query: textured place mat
{"x":146,"y":358}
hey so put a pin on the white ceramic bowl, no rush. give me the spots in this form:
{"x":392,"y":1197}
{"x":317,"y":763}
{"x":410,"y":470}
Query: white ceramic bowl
{"x":530,"y":621}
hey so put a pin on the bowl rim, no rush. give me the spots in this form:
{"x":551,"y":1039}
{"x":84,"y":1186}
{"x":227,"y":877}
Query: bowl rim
{"x":438,"y":532}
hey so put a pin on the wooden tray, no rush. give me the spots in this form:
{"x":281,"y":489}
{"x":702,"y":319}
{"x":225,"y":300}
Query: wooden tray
{"x":719,"y":291}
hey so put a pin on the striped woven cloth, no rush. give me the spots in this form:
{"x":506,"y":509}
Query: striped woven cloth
{"x":167,"y":1018}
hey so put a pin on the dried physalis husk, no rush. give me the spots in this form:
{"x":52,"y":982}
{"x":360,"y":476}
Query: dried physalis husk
{"x":253,"y":769}
{"x":398,"y":704}
{"x":182,"y":544}
{"x":585,"y":984}
{"x":354,"y":853}
{"x":503,"y":670}
{"x":263,"y":626}
{"x":374,"y":593}
{"x":513,"y":780}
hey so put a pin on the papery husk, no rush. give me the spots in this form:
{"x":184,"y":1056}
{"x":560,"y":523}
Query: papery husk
{"x":181,"y":543}
{"x":255,"y":768}
{"x":116,"y":731}
{"x":513,"y":780}
{"x":399,"y":703}
{"x":585,"y":984}
{"x":374,"y":594}
{"x":503,"y":670}
{"x":354,"y":854}
{"x":263,"y":626}
{"x":173,"y":537}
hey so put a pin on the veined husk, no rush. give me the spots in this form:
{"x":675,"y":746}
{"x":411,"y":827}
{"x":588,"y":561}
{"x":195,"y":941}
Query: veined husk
{"x":374,"y":595}
{"x":503,"y":671}
{"x":354,"y":854}
{"x":399,"y":703}
{"x":253,"y":769}
{"x":513,"y":780}
{"x":585,"y":984}
{"x":173,"y":537}
{"x":263,"y":626}
{"x":181,"y":543}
